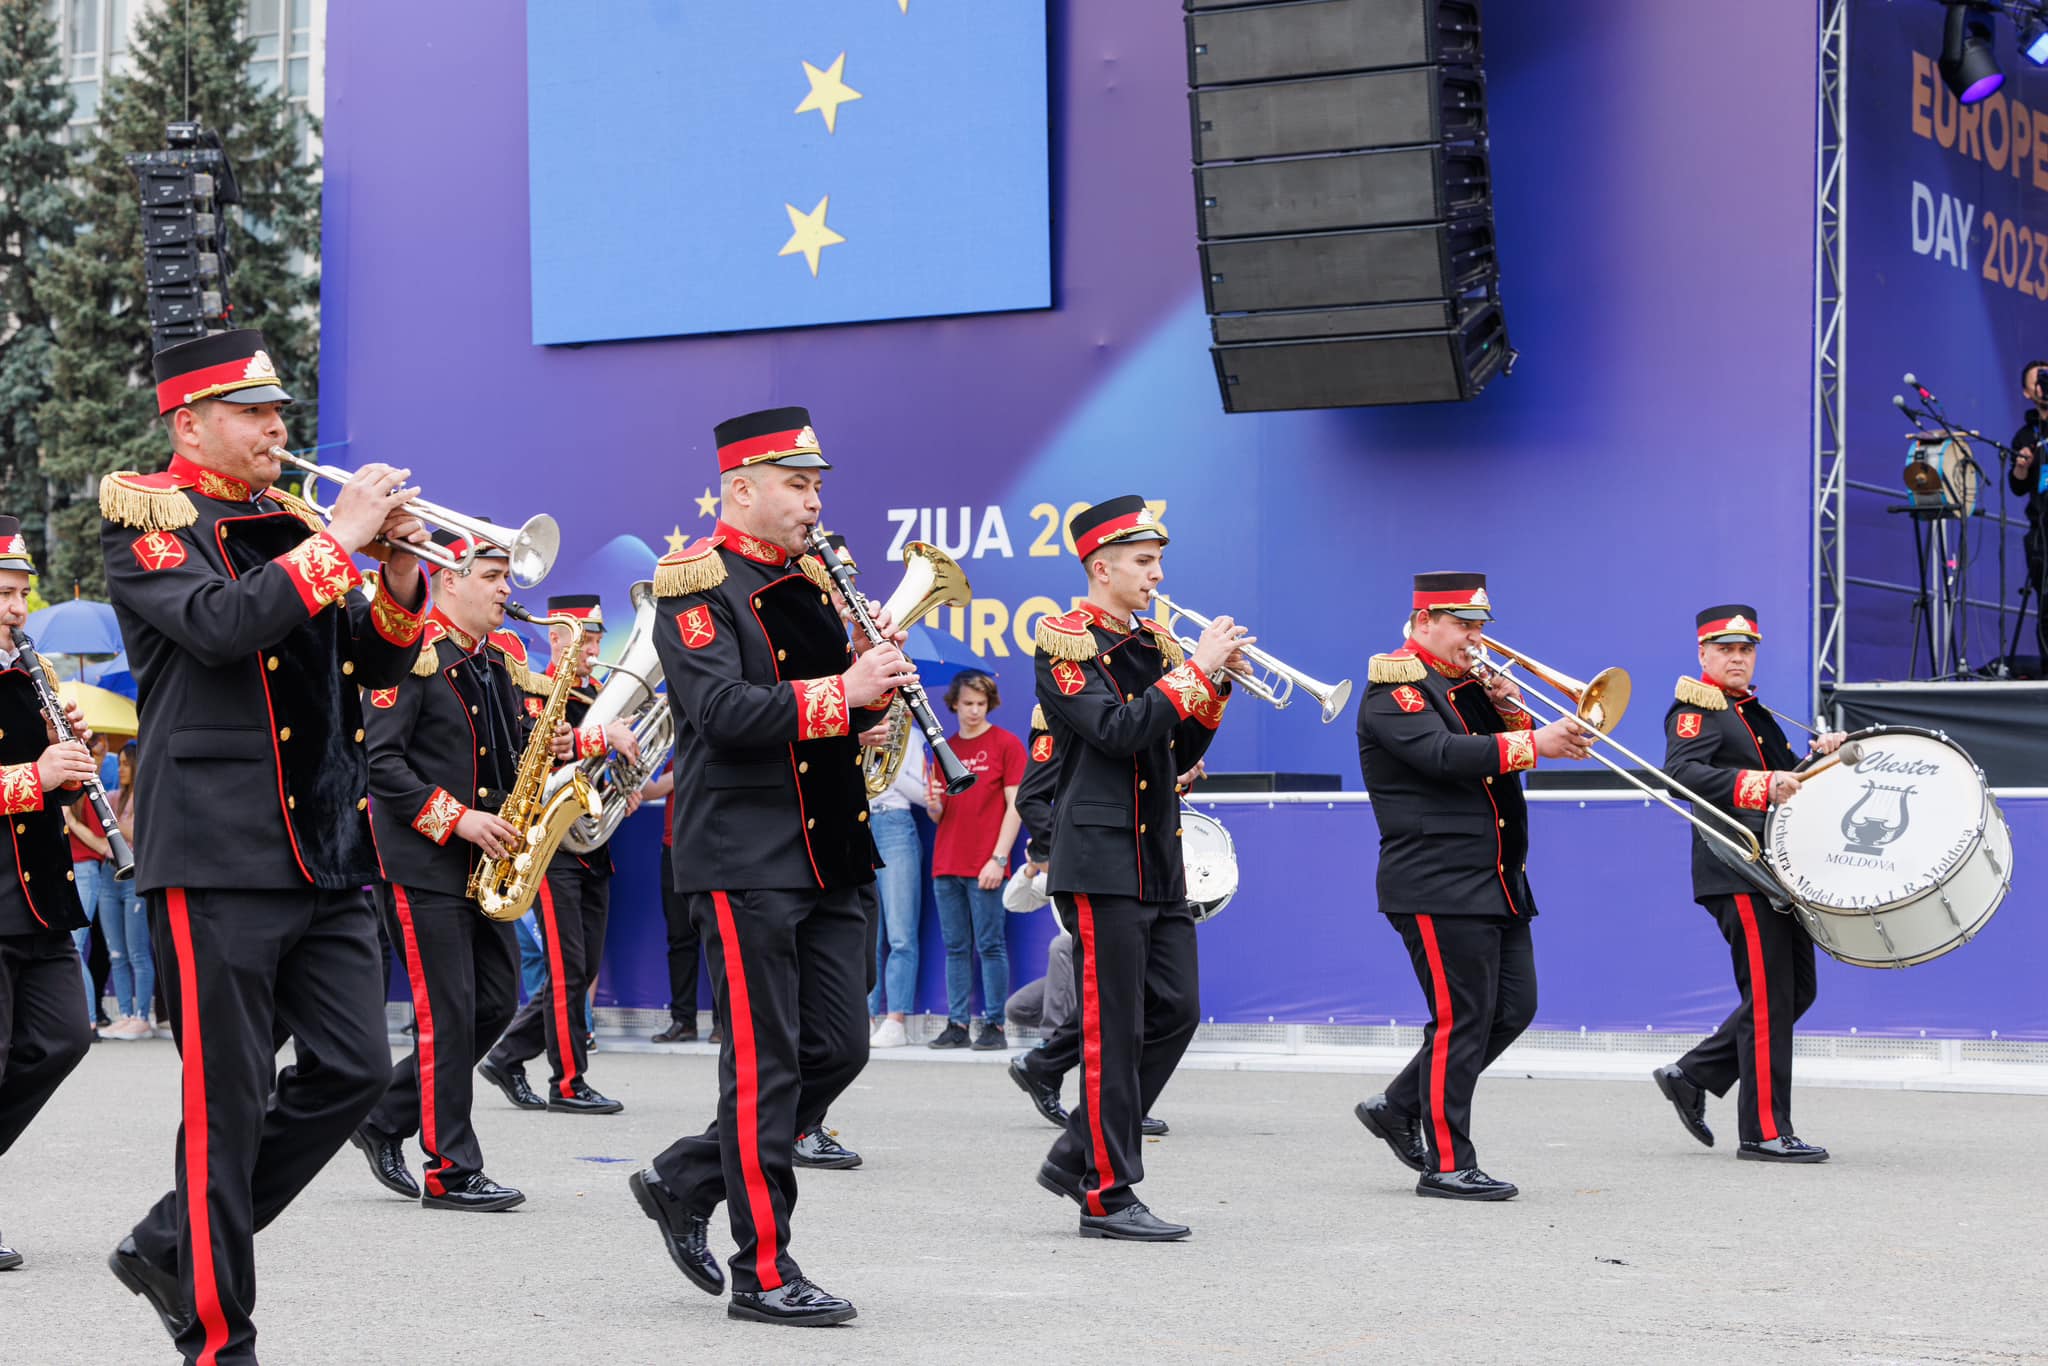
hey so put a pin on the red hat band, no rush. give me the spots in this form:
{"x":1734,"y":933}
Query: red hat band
{"x":214,"y":380}
{"x":1116,"y":528}
{"x":1453,"y":600}
{"x":1737,"y":625}
{"x":768,"y":446}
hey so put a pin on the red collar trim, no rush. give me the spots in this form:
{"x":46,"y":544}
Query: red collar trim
{"x":750,"y":546}
{"x":464,"y":641}
{"x":1738,"y":698}
{"x":213,"y":484}
{"x":1099,"y":617}
{"x":1448,"y":671}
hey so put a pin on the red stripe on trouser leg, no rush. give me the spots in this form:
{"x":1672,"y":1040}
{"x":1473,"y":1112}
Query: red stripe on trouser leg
{"x":1760,"y":1018}
{"x":747,"y":1083}
{"x":423,"y":1048}
{"x":1091,"y":1051}
{"x":205,"y":1281}
{"x":1440,"y":1044}
{"x":558,"y":986}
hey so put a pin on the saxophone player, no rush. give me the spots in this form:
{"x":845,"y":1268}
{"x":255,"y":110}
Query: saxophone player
{"x":574,"y":901}
{"x":445,"y":746}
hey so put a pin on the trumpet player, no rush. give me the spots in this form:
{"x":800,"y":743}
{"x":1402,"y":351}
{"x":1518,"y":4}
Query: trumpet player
{"x":1724,"y":744}
{"x":574,"y":901}
{"x":1442,"y":753}
{"x":1127,"y":711}
{"x":444,"y":750}
{"x":775,"y":859}
{"x":249,"y":638}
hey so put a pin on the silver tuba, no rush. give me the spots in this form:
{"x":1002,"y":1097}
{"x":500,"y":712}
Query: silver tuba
{"x":629,"y":692}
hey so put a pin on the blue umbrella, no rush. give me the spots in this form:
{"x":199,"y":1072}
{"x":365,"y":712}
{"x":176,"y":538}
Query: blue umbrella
{"x":939,"y":657}
{"x":78,"y":627}
{"x":114,"y":675}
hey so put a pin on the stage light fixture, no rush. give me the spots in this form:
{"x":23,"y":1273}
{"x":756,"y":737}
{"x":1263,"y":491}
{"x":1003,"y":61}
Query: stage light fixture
{"x":2034,"y":40}
{"x":1967,"y":67}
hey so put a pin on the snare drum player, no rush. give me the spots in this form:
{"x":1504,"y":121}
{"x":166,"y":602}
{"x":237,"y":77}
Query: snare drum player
{"x":1725,"y":745}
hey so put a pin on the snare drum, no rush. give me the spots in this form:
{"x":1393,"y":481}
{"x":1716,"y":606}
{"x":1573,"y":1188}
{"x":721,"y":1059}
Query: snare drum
{"x":1211,"y":860}
{"x":1897,"y":859}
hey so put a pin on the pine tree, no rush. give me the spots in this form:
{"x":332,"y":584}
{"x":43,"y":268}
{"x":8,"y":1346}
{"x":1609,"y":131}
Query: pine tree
{"x":35,"y":215}
{"x":101,"y":417}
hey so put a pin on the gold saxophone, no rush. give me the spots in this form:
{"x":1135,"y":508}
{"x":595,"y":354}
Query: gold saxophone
{"x":504,"y":887}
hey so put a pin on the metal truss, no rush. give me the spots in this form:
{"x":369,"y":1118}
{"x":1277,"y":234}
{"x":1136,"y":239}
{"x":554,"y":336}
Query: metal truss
{"x":1830,"y":349}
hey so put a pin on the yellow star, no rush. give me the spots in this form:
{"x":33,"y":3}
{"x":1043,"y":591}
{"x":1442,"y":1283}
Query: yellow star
{"x":677,"y":540}
{"x":808,"y":234}
{"x":707,"y":504}
{"x":828,"y":92}
{"x":903,"y":6}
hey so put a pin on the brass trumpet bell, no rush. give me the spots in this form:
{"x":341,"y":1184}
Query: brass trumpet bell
{"x":1600,"y":702}
{"x":931,"y":579}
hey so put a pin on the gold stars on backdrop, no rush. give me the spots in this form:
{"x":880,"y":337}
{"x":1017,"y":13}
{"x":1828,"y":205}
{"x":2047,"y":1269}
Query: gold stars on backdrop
{"x":808,"y":234}
{"x":828,"y":90}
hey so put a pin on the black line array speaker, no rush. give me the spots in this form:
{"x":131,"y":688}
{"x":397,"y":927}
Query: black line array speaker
{"x":1344,"y":201}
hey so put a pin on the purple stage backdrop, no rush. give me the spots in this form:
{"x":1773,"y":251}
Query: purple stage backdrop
{"x":1948,"y":280}
{"x":1648,"y":456}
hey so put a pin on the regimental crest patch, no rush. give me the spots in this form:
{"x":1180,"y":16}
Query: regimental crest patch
{"x":156,"y":550}
{"x":1688,"y":725}
{"x":535,"y":706}
{"x":384,"y":698}
{"x":1409,"y":699}
{"x":1041,"y":748}
{"x":1068,"y":678}
{"x":698,"y":627}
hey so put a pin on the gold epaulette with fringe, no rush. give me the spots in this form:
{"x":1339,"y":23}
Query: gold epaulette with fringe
{"x":299,"y":508}
{"x":1398,"y":667}
{"x":147,"y":502}
{"x":428,"y":662}
{"x":1705,"y":696}
{"x":693,"y":569}
{"x":814,"y":570}
{"x":1168,"y":643}
{"x":512,"y":653}
{"x":1066,"y":637}
{"x":1038,"y":719}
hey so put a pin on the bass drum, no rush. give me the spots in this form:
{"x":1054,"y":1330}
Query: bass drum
{"x":1898,"y":858}
{"x":1211,"y":860}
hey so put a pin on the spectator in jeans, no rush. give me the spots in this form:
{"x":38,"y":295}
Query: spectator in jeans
{"x":971,"y":860}
{"x":901,"y":885}
{"x":88,"y":854}
{"x":124,"y":921}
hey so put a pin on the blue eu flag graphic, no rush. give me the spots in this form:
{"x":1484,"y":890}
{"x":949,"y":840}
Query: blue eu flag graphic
{"x":716,"y":167}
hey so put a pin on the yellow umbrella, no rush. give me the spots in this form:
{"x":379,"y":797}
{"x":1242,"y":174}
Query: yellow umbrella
{"x":106,"y":713}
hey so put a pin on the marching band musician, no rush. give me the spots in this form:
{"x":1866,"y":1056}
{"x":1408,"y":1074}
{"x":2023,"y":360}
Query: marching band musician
{"x":1724,"y":744}
{"x":776,"y":859}
{"x":1127,"y":712}
{"x":249,"y":640}
{"x":1442,"y":752}
{"x":574,"y":901}
{"x":445,"y":746}
{"x":43,"y":1032}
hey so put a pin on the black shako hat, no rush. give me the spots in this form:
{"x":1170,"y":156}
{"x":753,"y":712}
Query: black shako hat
{"x":773,"y":436}
{"x":1128,"y":518}
{"x":1462,"y":595}
{"x":14,"y":546}
{"x":585,"y":607}
{"x":1727,"y":624}
{"x":232,"y":366}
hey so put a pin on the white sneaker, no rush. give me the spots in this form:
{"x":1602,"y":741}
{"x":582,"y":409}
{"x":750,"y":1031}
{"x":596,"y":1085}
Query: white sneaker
{"x":890,"y":1035}
{"x":126,"y":1028}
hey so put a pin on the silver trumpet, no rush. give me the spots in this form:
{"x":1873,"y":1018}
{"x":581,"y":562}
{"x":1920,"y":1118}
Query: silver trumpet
{"x":1272,"y":679}
{"x":532,"y":547}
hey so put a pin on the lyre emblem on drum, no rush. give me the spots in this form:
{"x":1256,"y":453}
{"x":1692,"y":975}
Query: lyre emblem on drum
{"x":1869,"y":834}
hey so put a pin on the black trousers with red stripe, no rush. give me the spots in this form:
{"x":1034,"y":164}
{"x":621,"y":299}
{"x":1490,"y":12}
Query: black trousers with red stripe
{"x":242,"y":969}
{"x":464,"y":971}
{"x":1774,"y":970}
{"x":792,"y":1005}
{"x":1478,"y":974}
{"x":573,"y":907}
{"x":43,"y":1028}
{"x":1140,"y":997}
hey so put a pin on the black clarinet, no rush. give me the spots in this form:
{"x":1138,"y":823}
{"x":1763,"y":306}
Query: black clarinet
{"x":958,"y":777}
{"x":118,"y":852}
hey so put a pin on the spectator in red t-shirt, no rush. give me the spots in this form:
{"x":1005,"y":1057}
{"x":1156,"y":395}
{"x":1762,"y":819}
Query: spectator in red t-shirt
{"x":971,"y":860}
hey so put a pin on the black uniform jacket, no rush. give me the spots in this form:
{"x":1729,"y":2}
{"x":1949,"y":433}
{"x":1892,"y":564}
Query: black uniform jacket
{"x":1442,"y":764}
{"x":446,"y":739}
{"x":1034,"y":794}
{"x":1723,"y":746}
{"x":1127,"y":715}
{"x":38,"y":891}
{"x":768,"y":788}
{"x":249,"y":641}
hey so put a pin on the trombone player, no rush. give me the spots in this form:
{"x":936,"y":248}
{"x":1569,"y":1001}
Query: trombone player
{"x":1442,"y":751}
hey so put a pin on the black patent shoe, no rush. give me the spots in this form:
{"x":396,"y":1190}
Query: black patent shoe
{"x":581,"y":1099}
{"x":475,"y":1194}
{"x":1402,"y":1136}
{"x":954,"y":1035}
{"x":1469,"y":1184}
{"x":512,"y":1081}
{"x":685,"y":1235}
{"x":1153,"y":1128}
{"x":9,"y":1258}
{"x":820,"y":1147}
{"x":1786,"y":1149}
{"x":1133,"y":1223}
{"x":1689,"y":1100}
{"x":387,"y":1162}
{"x":156,"y":1286}
{"x":1045,"y":1095}
{"x":796,"y":1302}
{"x":1062,"y":1182}
{"x":678,"y":1031}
